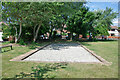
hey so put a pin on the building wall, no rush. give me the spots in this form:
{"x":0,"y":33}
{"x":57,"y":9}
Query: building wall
{"x":1,"y":36}
{"x":116,"y":33}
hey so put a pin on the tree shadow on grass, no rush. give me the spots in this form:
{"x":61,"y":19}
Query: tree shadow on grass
{"x":86,"y":44}
{"x":96,"y":40}
{"x":40,"y":72}
{"x":59,"y":46}
{"x":107,"y":40}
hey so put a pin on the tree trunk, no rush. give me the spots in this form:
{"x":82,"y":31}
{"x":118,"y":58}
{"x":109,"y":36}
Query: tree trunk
{"x":50,"y":36}
{"x":71,"y":35}
{"x":19,"y":32}
{"x":61,"y":32}
{"x":93,"y":37}
{"x":84,"y":35}
{"x":36,"y":34}
{"x":34,"y":30}
{"x":77,"y":36}
{"x":62,"y":29}
{"x":15,"y":35}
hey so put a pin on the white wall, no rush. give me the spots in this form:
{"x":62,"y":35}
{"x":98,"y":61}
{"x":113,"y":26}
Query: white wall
{"x":114,"y":32}
{"x":1,"y":36}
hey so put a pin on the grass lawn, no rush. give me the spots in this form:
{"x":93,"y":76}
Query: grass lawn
{"x":106,"y":49}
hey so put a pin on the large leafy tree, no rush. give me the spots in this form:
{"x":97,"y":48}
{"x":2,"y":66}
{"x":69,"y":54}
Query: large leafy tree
{"x":85,"y":21}
{"x":32,"y":14}
{"x":57,"y":22}
{"x":102,"y":22}
{"x":14,"y":12}
{"x":40,"y":12}
{"x":31,"y":19}
{"x":37,"y":14}
{"x":80,"y":22}
{"x":59,"y":19}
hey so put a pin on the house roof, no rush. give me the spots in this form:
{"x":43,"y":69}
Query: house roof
{"x":3,"y":23}
{"x":113,"y":27}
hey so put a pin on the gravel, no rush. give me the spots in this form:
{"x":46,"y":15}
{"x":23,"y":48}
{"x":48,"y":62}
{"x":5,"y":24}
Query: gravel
{"x":68,"y":52}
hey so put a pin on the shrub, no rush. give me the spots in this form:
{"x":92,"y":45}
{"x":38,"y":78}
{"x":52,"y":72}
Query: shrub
{"x":13,"y":41}
{"x":21,"y":42}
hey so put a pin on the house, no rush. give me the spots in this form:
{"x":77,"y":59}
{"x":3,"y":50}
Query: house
{"x":1,"y":30}
{"x":113,"y":31}
{"x":1,"y":36}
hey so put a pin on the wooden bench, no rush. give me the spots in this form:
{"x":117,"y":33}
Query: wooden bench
{"x":4,"y":47}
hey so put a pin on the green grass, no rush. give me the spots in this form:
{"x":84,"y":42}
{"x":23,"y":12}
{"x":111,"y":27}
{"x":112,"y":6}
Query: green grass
{"x":107,"y":50}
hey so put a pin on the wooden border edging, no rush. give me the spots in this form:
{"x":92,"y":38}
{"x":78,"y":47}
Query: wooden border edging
{"x":103,"y":61}
{"x":24,"y":56}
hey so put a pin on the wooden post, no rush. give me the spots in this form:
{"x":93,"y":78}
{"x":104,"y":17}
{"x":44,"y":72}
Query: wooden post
{"x":0,"y":50}
{"x":11,"y":47}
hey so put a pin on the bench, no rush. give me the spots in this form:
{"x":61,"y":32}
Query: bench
{"x":4,"y":47}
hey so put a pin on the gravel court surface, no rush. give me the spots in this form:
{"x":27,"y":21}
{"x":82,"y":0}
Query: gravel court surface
{"x":65,"y":52}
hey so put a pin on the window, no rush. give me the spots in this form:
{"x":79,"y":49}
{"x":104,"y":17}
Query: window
{"x":112,"y":34}
{"x":112,"y":29}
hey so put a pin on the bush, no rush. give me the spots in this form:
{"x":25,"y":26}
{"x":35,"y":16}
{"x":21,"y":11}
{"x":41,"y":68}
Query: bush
{"x":21,"y":42}
{"x":13,"y":41}
{"x":4,"y":37}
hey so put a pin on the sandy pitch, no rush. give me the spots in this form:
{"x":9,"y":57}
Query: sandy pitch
{"x":68,"y":52}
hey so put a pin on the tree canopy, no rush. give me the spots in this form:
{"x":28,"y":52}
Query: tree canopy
{"x":29,"y":20}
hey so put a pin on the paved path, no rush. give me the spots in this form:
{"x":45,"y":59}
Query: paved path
{"x":69,"y":52}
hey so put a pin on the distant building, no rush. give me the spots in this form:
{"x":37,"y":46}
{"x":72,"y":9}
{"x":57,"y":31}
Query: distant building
{"x":113,"y":31}
{"x":1,"y":30}
{"x":1,"y":35}
{"x":2,"y":23}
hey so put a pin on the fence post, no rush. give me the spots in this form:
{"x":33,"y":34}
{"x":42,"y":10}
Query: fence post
{"x":11,"y":47}
{"x":0,"y":50}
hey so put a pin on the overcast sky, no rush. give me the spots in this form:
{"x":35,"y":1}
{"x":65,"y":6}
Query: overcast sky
{"x":102,"y":5}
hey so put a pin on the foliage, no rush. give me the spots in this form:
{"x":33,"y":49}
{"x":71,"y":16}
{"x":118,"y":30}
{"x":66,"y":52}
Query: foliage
{"x":21,"y":42}
{"x":103,"y":21}
{"x":85,"y":21}
{"x":29,"y":20}
{"x":81,"y":21}
{"x":14,"y":12}
{"x":0,"y":12}
{"x":6,"y":31}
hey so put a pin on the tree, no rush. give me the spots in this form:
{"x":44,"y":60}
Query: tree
{"x":30,"y":20}
{"x":85,"y":21}
{"x":14,"y":12}
{"x":57,"y":22}
{"x":29,"y":13}
{"x":102,"y":22}
{"x":41,"y":12}
{"x":59,"y":19}
{"x":79,"y":22}
{"x":6,"y":31}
